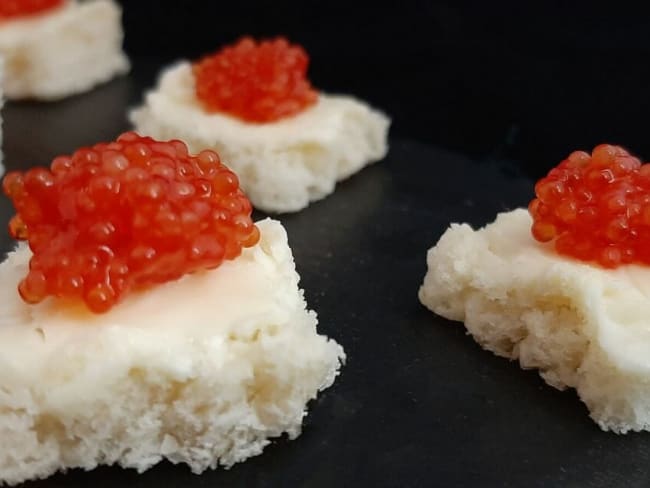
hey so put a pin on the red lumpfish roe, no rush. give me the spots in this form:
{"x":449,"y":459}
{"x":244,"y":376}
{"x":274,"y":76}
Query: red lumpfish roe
{"x":255,"y":81}
{"x":10,"y":9}
{"x":596,"y":207}
{"x":124,"y":215}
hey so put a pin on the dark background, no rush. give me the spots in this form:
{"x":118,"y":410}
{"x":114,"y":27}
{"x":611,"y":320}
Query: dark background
{"x":484,"y":96}
{"x":529,"y":81}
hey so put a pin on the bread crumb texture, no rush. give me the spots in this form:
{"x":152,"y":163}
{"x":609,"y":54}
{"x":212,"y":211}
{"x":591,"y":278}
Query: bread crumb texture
{"x":581,"y":326}
{"x":202,"y":371}
{"x":282,"y":165}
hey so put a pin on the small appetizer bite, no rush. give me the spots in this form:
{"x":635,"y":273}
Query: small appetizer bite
{"x":565,"y":286}
{"x":57,"y":48}
{"x":146,"y":317}
{"x":253,"y":104}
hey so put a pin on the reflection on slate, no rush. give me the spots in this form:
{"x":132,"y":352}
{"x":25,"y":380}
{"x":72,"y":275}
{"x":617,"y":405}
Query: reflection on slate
{"x":418,"y":402}
{"x":35,"y":132}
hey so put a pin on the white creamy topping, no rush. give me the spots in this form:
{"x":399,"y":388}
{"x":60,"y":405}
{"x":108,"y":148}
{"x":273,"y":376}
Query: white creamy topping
{"x":579,"y":325}
{"x":258,"y":289}
{"x":282,"y":165}
{"x":204,"y":370}
{"x":616,"y":302}
{"x":176,"y":96}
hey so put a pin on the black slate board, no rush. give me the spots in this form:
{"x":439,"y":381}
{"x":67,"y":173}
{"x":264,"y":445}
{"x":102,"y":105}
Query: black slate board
{"x":418,"y":403}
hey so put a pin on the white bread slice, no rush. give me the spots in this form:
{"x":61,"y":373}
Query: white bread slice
{"x":62,"y":52}
{"x":581,"y":326}
{"x":282,"y":165}
{"x":202,"y":371}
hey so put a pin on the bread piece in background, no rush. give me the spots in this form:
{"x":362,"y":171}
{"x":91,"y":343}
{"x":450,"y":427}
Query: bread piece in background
{"x":282,"y":165}
{"x":63,"y":51}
